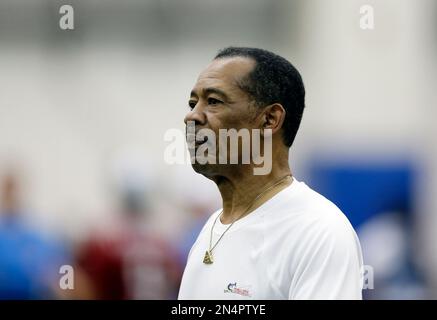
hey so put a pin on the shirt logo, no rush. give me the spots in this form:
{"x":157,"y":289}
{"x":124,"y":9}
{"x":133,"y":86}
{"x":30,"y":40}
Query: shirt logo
{"x":242,"y":291}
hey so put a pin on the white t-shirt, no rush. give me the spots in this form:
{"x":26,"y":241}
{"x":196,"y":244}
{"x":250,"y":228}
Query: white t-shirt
{"x":297,"y":245}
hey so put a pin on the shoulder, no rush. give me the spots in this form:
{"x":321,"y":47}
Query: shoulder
{"x":320,"y":252}
{"x":307,"y":219}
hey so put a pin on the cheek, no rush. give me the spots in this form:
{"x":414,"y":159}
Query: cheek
{"x":215,"y":122}
{"x":230,"y":117}
{"x":239,"y":123}
{"x":232,"y":120}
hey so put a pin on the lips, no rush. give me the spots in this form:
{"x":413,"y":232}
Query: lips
{"x":191,"y":138}
{"x":201,"y":141}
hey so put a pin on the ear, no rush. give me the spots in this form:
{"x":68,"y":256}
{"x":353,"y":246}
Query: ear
{"x":273,"y":117}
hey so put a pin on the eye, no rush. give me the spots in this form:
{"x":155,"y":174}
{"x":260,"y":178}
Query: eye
{"x":213,"y":101}
{"x":192,"y":104}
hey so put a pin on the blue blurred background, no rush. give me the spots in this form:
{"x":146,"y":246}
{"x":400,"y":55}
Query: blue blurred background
{"x":83,"y":113}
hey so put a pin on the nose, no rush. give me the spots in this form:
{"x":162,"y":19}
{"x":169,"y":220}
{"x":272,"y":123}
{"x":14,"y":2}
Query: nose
{"x":197,"y":115}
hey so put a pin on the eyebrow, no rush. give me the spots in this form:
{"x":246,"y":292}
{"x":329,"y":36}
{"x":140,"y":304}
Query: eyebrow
{"x":210,"y":90}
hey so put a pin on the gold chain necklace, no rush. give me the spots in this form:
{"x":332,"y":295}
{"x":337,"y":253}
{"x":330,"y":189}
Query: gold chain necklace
{"x":208,"y":259}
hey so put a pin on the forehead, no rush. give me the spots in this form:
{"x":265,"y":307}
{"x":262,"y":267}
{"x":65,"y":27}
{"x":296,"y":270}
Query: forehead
{"x":224,"y":73}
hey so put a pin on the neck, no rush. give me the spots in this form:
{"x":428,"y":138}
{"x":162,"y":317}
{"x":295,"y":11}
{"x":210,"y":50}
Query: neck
{"x":239,"y":192}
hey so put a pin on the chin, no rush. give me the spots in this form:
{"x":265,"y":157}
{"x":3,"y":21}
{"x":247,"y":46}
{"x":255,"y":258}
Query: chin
{"x":201,"y":168}
{"x":207,"y":170}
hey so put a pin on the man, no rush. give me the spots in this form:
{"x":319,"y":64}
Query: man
{"x":275,"y":238}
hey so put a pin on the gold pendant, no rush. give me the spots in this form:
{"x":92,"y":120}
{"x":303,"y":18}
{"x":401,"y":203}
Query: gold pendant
{"x":208,"y":257}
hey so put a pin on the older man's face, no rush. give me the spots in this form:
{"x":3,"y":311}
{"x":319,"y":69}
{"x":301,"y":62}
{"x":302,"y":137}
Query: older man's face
{"x":216,"y":101}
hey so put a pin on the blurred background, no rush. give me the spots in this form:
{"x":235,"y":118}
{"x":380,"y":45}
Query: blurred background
{"x":83,"y":112}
